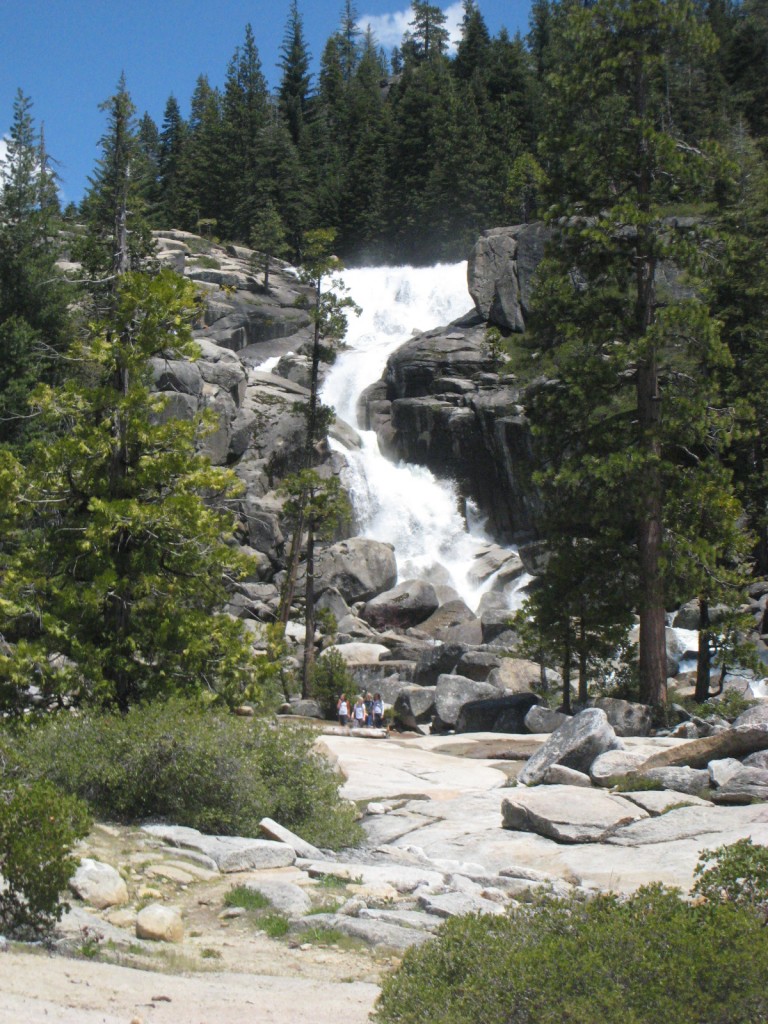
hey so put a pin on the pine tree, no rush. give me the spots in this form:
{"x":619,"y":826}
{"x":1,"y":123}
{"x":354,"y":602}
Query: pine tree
{"x":34,"y":322}
{"x":113,"y":574}
{"x":633,"y":387}
{"x":173,"y":135}
{"x":294,"y":91}
{"x":245,"y":113}
{"x":203,"y":194}
{"x":118,"y":235}
{"x":427,"y":38}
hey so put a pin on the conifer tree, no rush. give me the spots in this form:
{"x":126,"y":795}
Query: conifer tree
{"x":294,"y":91}
{"x":113,"y":574}
{"x":633,"y":370}
{"x":34,"y":323}
{"x":170,"y":164}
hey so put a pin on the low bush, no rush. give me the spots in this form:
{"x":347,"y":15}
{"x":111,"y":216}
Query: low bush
{"x":191,"y":765}
{"x":640,"y":960}
{"x":736,"y":874}
{"x":38,"y":827}
{"x":331,"y":677}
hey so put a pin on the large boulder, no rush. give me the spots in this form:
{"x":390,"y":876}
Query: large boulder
{"x":454,"y":622}
{"x":453,"y":692}
{"x":575,"y":744}
{"x":496,"y":714}
{"x":98,"y":884}
{"x":499,"y":273}
{"x":406,"y":605}
{"x":743,"y":787}
{"x":626,"y":717}
{"x":358,"y":568}
{"x":159,"y":923}
{"x":540,"y":718}
{"x":438,"y":660}
{"x":414,"y":706}
{"x":516,"y":675}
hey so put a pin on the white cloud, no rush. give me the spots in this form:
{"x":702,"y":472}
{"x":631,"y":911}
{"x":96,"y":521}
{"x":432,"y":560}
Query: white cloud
{"x":3,"y":149}
{"x":388,"y":29}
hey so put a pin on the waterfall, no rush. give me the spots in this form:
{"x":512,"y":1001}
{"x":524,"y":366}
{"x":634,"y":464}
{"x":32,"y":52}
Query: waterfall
{"x":403,"y":504}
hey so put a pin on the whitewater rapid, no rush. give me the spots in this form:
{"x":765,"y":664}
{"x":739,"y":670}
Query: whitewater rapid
{"x":403,"y":504}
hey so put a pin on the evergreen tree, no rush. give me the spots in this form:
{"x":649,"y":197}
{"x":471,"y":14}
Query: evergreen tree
{"x":33,"y":304}
{"x":633,"y":392}
{"x":245,"y":112}
{"x":118,"y":235}
{"x":472,"y":51}
{"x":172,"y":141}
{"x":203,"y":163}
{"x":294,"y":91}
{"x":113,"y":574}
{"x":427,"y":38}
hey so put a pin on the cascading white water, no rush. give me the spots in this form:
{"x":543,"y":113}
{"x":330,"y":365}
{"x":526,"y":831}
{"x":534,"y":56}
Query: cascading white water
{"x":399,"y":503}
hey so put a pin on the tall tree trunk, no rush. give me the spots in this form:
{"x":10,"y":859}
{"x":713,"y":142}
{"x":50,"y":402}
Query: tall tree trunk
{"x":567,"y":674}
{"x":703,"y":660}
{"x":583,"y":679}
{"x":309,"y":614}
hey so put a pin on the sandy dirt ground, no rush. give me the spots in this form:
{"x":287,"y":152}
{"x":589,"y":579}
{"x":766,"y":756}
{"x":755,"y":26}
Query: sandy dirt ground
{"x":38,"y":988}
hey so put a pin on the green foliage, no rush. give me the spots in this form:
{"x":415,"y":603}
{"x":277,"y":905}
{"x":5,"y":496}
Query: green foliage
{"x":188,"y":764}
{"x":274,"y":925}
{"x":38,"y":827}
{"x":729,"y":705}
{"x":642,"y":959}
{"x":735,"y":874}
{"x":249,"y":899}
{"x":330,"y":678}
{"x":115,"y":573}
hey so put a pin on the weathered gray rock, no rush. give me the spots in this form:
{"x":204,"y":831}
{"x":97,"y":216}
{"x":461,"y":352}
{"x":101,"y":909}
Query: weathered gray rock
{"x":420,"y":700}
{"x":380,"y":935}
{"x":613,"y":764}
{"x":542,"y":719}
{"x":735,"y":742}
{"x":722,"y":770}
{"x":453,"y":622}
{"x":229,"y":853}
{"x":659,"y":801}
{"x":453,"y":691}
{"x":273,"y":830}
{"x":477,"y":665}
{"x":496,"y":714}
{"x":575,"y":744}
{"x":688,"y":616}
{"x":682,"y":779}
{"x":357,"y":653}
{"x":406,"y":605}
{"x":159,"y":923}
{"x":332,"y":601}
{"x":743,"y":787}
{"x":757,"y":715}
{"x":757,"y":760}
{"x":358,"y":568}
{"x":626,"y":717}
{"x":438,"y":660}
{"x":285,"y":897}
{"x":456,"y":904}
{"x":559,"y":775}
{"x":176,"y":375}
{"x":516,"y":675}
{"x":690,"y":822}
{"x":568,"y":814}
{"x":98,"y":884}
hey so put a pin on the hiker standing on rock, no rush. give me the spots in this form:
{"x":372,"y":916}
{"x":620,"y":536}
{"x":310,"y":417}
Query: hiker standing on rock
{"x":378,"y":710}
{"x":342,"y":709}
{"x":358,"y":713}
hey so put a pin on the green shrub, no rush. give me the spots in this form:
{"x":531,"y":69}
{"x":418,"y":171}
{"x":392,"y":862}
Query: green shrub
{"x":274,"y":925}
{"x":191,"y":765}
{"x":648,"y":958}
{"x":38,"y":827}
{"x":331,"y":678}
{"x":736,"y":874}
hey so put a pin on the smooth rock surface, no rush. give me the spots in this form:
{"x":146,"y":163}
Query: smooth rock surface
{"x":98,"y":884}
{"x":230,"y":853}
{"x":575,"y":744}
{"x":159,"y":923}
{"x":568,"y":814}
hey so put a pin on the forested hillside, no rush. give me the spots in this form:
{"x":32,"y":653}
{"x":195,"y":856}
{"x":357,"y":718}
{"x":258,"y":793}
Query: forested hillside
{"x":407,"y":154}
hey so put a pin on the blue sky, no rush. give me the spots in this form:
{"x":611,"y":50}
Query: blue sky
{"x":67,"y":55}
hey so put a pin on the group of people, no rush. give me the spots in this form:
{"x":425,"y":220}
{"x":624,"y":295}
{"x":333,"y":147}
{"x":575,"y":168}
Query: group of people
{"x":368,"y":710}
